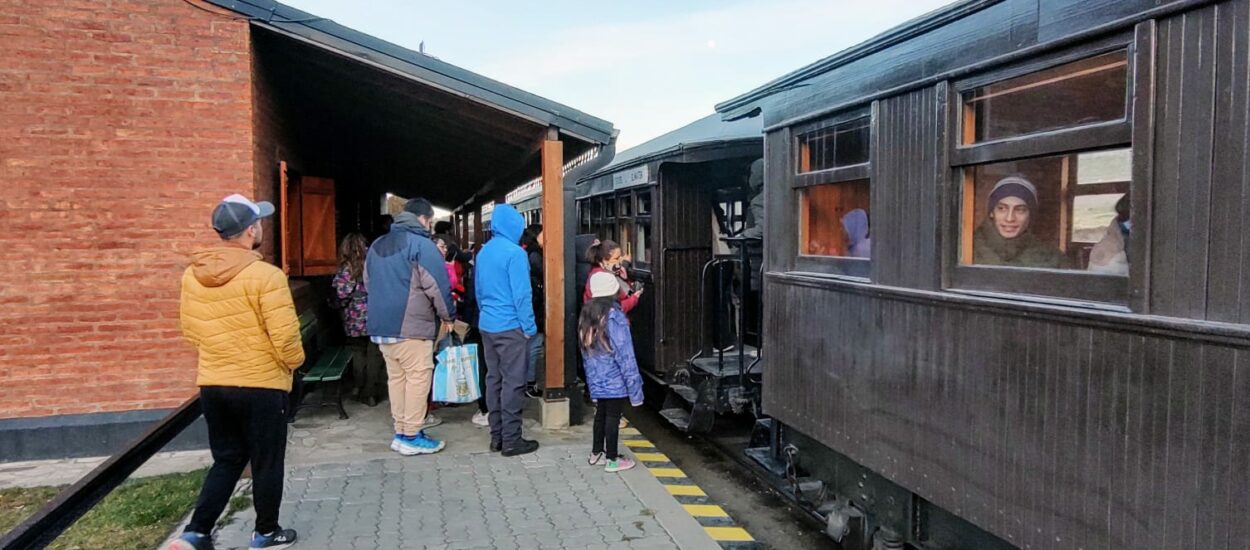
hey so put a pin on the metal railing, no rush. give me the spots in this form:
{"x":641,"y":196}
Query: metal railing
{"x":69,"y":505}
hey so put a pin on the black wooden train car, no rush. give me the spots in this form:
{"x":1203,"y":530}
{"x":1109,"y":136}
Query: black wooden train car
{"x":668,"y":202}
{"x":1035,"y":333}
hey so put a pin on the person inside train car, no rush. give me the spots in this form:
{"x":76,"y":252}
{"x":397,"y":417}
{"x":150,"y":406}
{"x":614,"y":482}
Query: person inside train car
{"x":858,"y":242}
{"x":1006,"y":238}
{"x":532,"y":242}
{"x":607,"y":257}
{"x":1110,"y":255}
{"x":753,"y":225}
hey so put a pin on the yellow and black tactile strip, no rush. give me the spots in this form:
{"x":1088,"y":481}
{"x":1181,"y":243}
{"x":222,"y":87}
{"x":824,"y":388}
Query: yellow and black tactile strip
{"x":714,"y":519}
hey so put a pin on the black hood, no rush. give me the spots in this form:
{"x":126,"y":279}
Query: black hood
{"x":581,"y":244}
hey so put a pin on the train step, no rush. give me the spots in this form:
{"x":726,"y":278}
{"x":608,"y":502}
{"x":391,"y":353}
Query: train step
{"x":678,"y":417}
{"x":687,"y":393}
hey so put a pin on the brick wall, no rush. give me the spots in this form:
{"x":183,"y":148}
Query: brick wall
{"x":121,"y":123}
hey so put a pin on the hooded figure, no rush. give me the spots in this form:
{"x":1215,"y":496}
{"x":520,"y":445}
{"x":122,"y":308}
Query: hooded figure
{"x":858,"y":243}
{"x":1110,"y":255}
{"x":755,"y":210}
{"x":583,"y":243}
{"x":504,"y":297}
{"x":506,"y":321}
{"x":1006,"y":237}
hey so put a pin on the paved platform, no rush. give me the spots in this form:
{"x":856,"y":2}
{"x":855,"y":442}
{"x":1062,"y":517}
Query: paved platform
{"x":346,"y":489}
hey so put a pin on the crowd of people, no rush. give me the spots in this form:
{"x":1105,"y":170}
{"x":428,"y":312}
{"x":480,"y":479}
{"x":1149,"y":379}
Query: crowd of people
{"x":400,"y":299}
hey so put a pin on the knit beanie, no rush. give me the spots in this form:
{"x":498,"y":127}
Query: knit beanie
{"x":1014,"y":186}
{"x":604,"y":284}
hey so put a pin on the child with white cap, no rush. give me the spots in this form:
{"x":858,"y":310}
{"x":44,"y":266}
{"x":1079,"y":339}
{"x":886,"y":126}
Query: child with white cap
{"x":611,"y":369}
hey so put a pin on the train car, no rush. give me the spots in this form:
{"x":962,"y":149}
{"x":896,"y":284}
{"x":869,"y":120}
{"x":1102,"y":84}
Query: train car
{"x":1007,"y":278}
{"x":670,"y":202}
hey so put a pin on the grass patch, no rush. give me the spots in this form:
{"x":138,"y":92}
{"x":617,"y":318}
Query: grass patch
{"x":139,"y":514}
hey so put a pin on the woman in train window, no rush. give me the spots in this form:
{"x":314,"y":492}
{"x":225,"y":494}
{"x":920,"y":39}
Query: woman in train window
{"x":1006,"y":237}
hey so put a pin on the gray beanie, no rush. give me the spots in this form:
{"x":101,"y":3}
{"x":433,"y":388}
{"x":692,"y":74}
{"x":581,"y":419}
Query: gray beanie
{"x":1014,"y":186}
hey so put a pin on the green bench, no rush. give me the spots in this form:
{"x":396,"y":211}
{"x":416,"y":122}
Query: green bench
{"x":323,"y":366}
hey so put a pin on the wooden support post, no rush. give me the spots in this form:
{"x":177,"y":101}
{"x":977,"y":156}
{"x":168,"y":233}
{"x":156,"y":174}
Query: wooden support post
{"x":555,"y":271}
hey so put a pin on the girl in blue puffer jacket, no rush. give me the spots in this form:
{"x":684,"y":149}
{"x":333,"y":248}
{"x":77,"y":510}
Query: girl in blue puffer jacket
{"x":611,"y":369}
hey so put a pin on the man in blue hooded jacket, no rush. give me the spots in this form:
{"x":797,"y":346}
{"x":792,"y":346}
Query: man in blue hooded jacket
{"x":409,"y":301}
{"x":506,"y":321}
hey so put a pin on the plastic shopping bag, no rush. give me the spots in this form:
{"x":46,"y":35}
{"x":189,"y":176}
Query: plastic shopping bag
{"x":455,"y":374}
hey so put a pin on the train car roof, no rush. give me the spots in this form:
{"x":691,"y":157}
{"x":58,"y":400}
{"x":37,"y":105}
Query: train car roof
{"x":964,"y":38}
{"x":707,"y":131}
{"x":419,"y":66}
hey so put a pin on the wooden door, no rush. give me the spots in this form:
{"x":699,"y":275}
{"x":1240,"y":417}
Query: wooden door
{"x":309,"y":233}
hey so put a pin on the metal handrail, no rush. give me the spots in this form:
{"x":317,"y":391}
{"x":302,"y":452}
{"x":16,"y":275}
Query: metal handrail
{"x":48,"y":523}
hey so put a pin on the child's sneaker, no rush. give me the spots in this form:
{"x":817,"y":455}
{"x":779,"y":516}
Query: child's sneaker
{"x":281,"y":538}
{"x":419,"y":444}
{"x":431,"y":421}
{"x":192,"y":541}
{"x":619,"y":465}
{"x":595,"y":458}
{"x":480,"y":419}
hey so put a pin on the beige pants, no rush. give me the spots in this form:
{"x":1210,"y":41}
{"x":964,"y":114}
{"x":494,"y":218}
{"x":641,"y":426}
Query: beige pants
{"x":409,"y":372}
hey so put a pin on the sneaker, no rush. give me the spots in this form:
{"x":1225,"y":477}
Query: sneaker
{"x":192,"y":541}
{"x":281,"y":538}
{"x":481,"y":419}
{"x":532,"y":391}
{"x":419,"y":444}
{"x":624,"y":423}
{"x":431,"y":421}
{"x":619,"y":465}
{"x":522,"y":447}
{"x":596,"y":458}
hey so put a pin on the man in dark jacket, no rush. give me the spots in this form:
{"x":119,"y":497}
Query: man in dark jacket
{"x":532,"y":242}
{"x":506,"y":319}
{"x":410,"y":306}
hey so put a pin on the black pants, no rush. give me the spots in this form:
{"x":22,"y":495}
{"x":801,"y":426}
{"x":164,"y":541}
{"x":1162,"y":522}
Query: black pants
{"x":506,"y":362}
{"x":368,"y":369}
{"x":244,"y":425}
{"x":608,"y":426}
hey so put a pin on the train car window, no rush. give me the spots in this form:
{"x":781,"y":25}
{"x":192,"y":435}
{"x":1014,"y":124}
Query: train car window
{"x":642,"y":244}
{"x":625,"y":205}
{"x":1046,"y":212}
{"x":1081,"y":93}
{"x":609,"y":208}
{"x":1038,"y":213}
{"x":833,"y":219}
{"x":644,"y":203}
{"x":840,"y":145}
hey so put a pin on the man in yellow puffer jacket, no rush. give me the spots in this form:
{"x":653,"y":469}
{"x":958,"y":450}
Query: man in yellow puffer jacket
{"x":238,"y":313}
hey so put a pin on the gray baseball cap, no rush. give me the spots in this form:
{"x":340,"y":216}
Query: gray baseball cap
{"x":234,"y":214}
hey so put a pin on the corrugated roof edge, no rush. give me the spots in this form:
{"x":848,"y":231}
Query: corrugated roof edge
{"x":283,"y":18}
{"x":742,"y":105}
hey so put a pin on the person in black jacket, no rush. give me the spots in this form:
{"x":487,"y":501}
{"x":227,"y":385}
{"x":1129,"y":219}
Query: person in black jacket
{"x":532,"y":242}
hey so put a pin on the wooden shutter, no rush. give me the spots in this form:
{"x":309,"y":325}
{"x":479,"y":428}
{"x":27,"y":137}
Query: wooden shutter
{"x":308,"y":225}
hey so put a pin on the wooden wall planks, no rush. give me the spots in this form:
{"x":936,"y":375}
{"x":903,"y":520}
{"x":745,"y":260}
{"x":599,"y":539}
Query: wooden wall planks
{"x":1046,"y":434}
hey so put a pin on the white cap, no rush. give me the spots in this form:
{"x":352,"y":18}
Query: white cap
{"x":603,"y":284}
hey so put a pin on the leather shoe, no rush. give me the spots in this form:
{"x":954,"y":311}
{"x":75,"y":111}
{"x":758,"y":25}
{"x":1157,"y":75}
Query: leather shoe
{"x":522,"y":447}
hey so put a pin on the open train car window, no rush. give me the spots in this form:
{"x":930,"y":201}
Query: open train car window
{"x":1045,"y":170}
{"x":834,"y":189}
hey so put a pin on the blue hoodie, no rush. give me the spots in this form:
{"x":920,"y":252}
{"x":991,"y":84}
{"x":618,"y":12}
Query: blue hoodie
{"x":502,"y":277}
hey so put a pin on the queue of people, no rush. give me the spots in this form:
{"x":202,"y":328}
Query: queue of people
{"x":397,"y":298}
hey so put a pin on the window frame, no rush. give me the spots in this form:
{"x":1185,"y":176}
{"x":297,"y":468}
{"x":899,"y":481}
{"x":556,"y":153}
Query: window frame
{"x":1067,"y":286}
{"x":858,"y":269}
{"x":641,"y":219}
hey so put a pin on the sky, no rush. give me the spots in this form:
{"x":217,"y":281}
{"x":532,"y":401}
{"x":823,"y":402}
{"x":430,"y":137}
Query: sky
{"x":648,"y":66}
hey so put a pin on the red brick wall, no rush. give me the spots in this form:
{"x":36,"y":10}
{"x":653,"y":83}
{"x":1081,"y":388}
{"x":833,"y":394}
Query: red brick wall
{"x":121,"y":124}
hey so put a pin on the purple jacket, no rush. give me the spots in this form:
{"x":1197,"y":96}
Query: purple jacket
{"x":614,"y":374}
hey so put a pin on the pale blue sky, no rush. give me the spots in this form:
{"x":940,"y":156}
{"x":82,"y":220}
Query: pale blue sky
{"x":648,"y":66}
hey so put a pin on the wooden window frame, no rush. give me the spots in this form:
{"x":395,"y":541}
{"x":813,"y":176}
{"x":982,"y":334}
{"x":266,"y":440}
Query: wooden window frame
{"x":643,"y":219}
{"x":1070,"y":287}
{"x":858,"y":269}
